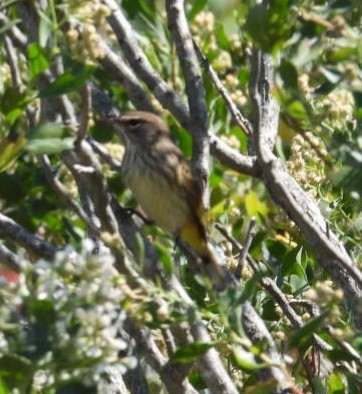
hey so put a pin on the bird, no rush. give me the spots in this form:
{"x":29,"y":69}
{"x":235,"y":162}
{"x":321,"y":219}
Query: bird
{"x":165,"y":185}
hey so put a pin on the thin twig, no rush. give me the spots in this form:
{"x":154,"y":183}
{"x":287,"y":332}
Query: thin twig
{"x":246,"y":245}
{"x":85,"y":108}
{"x":102,"y":152}
{"x":240,"y":120}
{"x":67,"y":197}
{"x":9,"y":259}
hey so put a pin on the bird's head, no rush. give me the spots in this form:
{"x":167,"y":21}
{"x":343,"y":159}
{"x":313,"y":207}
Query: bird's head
{"x":139,"y":128}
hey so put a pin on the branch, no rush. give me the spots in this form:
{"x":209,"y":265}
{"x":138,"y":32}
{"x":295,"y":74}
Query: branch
{"x":121,"y":73}
{"x":19,"y":39}
{"x":157,"y":361}
{"x":85,"y":109}
{"x":194,"y":89}
{"x":286,"y":192}
{"x":67,"y":197}
{"x":9,"y":259}
{"x":257,"y":333}
{"x":142,"y":67}
{"x":240,"y":120}
{"x":30,"y":242}
{"x":212,"y":369}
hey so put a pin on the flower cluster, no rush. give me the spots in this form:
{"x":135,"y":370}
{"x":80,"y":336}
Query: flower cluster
{"x":338,"y":108}
{"x":73,"y":304}
{"x":87,"y":22}
{"x":306,"y":162}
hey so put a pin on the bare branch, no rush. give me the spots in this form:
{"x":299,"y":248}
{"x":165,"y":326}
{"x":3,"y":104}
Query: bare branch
{"x":9,"y":259}
{"x":290,"y":196}
{"x":240,"y":120}
{"x":98,"y":148}
{"x":86,"y":107}
{"x":232,"y":159}
{"x":19,"y":39}
{"x":245,"y":248}
{"x":194,"y":89}
{"x":157,"y":361}
{"x":116,"y":66}
{"x":142,"y":67}
{"x":30,"y":242}
{"x":13,"y":62}
{"x":212,"y":369}
{"x":67,"y":197}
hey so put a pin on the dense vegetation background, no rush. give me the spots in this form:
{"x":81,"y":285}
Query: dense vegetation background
{"x":93,"y":299}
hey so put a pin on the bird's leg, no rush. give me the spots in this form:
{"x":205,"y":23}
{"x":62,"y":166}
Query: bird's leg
{"x":141,"y":215}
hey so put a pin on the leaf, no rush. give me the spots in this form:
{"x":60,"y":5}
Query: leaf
{"x":297,"y":110}
{"x":189,"y":353}
{"x":15,"y":371}
{"x":49,"y":138}
{"x":197,"y":6}
{"x":291,"y":264}
{"x":13,"y":103}
{"x":222,"y":37}
{"x":246,"y":361}
{"x":303,"y":334}
{"x":254,"y":206}
{"x":289,"y":74}
{"x":336,"y":384}
{"x":12,"y":188}
{"x":270,"y":26}
{"x":38,"y":60}
{"x":10,"y":148}
{"x":164,"y":256}
{"x":68,"y":82}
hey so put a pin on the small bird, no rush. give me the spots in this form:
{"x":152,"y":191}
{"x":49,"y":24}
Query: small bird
{"x":164,"y":184}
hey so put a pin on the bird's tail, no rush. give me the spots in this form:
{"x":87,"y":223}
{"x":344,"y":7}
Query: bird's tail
{"x":195,"y":237}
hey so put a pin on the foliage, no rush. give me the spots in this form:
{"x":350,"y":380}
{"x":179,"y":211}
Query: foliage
{"x":63,"y":320}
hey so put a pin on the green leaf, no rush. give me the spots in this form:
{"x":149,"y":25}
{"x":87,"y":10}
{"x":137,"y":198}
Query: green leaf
{"x":189,"y":353}
{"x":13,"y":103}
{"x":289,"y":74}
{"x":49,"y":145}
{"x":4,"y":389}
{"x":38,"y":60}
{"x":246,"y":361}
{"x":303,"y":334}
{"x":165,"y":257}
{"x":222,"y":37}
{"x":68,"y":82}
{"x":15,"y":371}
{"x":291,"y":264}
{"x":298,"y":111}
{"x":254,"y":206}
{"x":270,"y":26}
{"x":49,"y":138}
{"x":197,"y":6}
{"x":336,"y":384}
{"x":10,"y":148}
{"x":49,"y":130}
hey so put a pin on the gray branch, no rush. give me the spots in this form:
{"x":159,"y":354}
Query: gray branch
{"x":9,"y":259}
{"x":257,"y":332}
{"x":33,"y":244}
{"x":194,"y":89}
{"x":286,"y":192}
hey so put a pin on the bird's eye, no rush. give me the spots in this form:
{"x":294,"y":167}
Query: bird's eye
{"x":134,"y":122}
